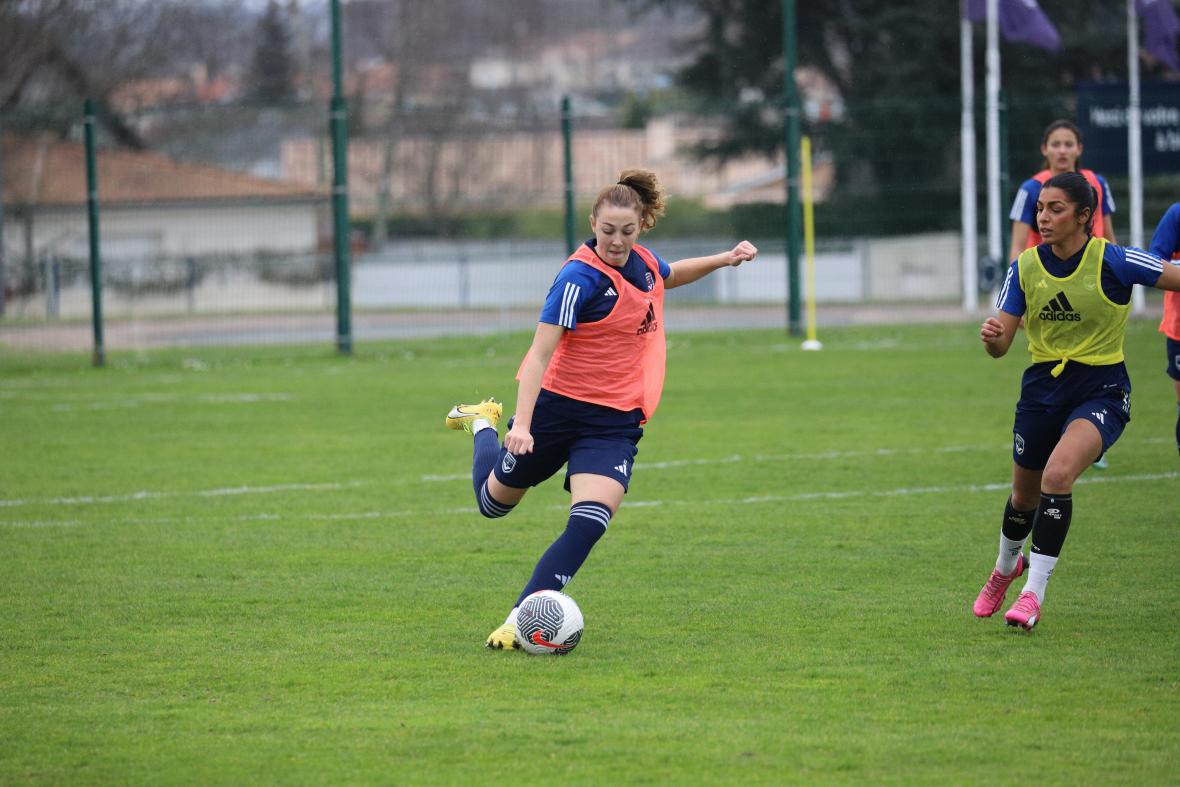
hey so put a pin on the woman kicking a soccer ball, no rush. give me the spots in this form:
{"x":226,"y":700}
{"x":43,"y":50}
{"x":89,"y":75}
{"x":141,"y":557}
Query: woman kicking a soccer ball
{"x":592,"y":377}
{"x":1074,"y":291}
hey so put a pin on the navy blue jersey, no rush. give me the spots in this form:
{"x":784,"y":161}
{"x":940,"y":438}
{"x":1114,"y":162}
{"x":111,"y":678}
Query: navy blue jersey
{"x":1122,"y":268}
{"x":580,"y":293}
{"x":1166,"y":240}
{"x":564,"y":408}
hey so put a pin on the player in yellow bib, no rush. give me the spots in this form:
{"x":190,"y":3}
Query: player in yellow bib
{"x":1074,"y":293}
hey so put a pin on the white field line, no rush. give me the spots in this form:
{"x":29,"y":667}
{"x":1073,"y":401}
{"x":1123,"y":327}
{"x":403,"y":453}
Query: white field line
{"x":695,"y":502}
{"x":146,"y":495}
{"x":333,"y":486}
{"x":801,"y":457}
{"x":90,"y":403}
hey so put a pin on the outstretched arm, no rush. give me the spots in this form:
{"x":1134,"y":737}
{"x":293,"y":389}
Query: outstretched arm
{"x":693,"y":268}
{"x":1170,"y":278}
{"x":519,"y":439}
{"x":997,"y":333}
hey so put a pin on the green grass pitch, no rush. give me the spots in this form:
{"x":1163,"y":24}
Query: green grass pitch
{"x":239,"y":566}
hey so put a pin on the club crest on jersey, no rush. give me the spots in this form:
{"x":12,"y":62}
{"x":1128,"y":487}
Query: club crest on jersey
{"x":509,"y":463}
{"x":649,"y":323}
{"x":651,"y":282}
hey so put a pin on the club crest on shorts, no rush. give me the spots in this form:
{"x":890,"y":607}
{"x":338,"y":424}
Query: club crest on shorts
{"x":508,"y":464}
{"x":1019,"y":445}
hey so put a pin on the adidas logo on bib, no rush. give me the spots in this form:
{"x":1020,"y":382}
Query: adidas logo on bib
{"x":1060,"y":310}
{"x":649,"y":323}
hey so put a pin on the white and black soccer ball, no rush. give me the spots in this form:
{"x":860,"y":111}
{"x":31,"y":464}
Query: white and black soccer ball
{"x":549,"y":622}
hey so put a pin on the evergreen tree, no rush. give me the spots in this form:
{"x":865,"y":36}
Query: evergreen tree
{"x":272,"y":65}
{"x":896,"y":69}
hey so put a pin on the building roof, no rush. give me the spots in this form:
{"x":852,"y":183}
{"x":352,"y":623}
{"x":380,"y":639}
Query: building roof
{"x":45,"y":172}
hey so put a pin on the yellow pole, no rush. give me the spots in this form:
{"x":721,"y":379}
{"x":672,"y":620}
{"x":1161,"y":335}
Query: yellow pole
{"x":812,"y":343}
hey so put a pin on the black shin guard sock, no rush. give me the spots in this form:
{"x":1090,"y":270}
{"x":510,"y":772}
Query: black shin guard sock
{"x":1017,"y":524}
{"x":1052,"y":524}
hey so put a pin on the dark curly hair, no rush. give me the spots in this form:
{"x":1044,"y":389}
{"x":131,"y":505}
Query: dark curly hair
{"x":1078,"y":190}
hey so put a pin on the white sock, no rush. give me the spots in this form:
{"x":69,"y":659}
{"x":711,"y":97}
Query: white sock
{"x":1039,"y":570}
{"x":480,"y":423}
{"x":511,"y":619}
{"x":1009,"y":550}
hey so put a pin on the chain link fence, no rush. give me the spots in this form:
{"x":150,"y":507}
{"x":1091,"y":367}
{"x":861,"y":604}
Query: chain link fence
{"x":217,"y":228}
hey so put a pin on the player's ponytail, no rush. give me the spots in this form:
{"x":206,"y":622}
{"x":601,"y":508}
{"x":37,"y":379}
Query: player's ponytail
{"x":639,"y":189}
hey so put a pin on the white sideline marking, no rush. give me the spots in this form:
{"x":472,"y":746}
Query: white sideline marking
{"x":87,"y":402}
{"x":815,"y":455}
{"x":750,"y":500}
{"x":735,"y":458}
{"x":145,"y":495}
{"x":901,"y":492}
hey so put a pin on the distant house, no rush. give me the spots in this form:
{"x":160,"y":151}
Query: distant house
{"x":151,"y":206}
{"x":524,"y":168}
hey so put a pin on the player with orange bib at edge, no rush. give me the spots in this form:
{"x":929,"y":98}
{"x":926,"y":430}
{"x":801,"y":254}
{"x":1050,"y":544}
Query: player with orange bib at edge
{"x":592,"y":377}
{"x":1074,"y":292}
{"x":1166,"y":243}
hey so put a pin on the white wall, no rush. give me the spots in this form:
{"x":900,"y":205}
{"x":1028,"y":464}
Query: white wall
{"x":470,"y":274}
{"x":169,"y":232}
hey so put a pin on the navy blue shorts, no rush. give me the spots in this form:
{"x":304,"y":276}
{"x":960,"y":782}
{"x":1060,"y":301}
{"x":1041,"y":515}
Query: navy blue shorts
{"x":1173,"y":358}
{"x":584,"y":448}
{"x":1038,"y":427}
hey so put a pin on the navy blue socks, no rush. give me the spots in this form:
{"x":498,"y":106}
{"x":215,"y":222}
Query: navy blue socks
{"x":483,"y":456}
{"x":587,"y":523}
{"x":483,"y":459}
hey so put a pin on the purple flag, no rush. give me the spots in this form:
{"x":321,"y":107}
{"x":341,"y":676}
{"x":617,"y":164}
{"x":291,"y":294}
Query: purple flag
{"x":1160,"y":26}
{"x":1021,"y":21}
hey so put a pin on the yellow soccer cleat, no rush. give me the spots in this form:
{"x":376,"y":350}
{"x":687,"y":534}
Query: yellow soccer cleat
{"x":503,"y":638}
{"x":462,"y":415}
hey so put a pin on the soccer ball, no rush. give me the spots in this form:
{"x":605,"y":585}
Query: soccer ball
{"x":549,"y":622}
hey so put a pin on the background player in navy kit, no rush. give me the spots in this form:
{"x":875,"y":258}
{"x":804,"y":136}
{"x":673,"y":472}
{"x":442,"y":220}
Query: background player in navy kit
{"x":1061,"y":145}
{"x":1166,"y":243}
{"x":591,"y":378}
{"x":1074,"y":291}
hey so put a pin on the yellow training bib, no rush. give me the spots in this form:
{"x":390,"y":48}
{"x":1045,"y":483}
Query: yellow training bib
{"x":1070,"y":318}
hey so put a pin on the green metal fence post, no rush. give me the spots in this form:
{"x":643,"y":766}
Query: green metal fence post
{"x":341,"y":229}
{"x":568,"y":153}
{"x":792,"y":122}
{"x":99,"y":357}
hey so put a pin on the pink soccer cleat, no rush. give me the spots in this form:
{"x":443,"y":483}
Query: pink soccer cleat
{"x":991,"y":598}
{"x":1025,"y":612}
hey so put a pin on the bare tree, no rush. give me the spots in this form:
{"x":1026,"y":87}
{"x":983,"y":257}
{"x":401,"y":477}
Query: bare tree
{"x":53,"y":52}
